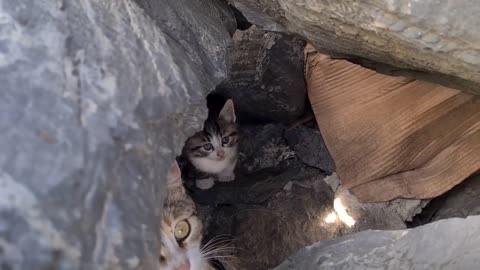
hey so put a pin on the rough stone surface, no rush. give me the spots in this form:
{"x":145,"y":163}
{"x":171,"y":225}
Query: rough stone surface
{"x":96,"y":100}
{"x":261,"y":147}
{"x":403,"y":37}
{"x":446,"y":244}
{"x":310,"y":148}
{"x":266,"y":80}
{"x":461,"y":201}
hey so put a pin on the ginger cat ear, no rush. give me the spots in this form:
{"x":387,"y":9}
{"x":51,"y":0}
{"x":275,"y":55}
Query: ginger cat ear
{"x":228,"y":112}
{"x":174,"y":176}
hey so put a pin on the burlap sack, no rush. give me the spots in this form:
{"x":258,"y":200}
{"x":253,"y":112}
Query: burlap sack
{"x":392,"y":136}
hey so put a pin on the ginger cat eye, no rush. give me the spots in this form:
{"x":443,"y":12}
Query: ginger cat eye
{"x":182,"y":230}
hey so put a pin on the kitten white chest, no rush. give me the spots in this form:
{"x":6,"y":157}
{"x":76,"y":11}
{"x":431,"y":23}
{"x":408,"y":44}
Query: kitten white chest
{"x":211,"y":166}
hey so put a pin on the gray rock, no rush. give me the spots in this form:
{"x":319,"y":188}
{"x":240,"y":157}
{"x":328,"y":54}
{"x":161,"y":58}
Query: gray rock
{"x":266,"y":80}
{"x":310,"y":148}
{"x":96,"y":101}
{"x":421,"y":39}
{"x":461,"y":201}
{"x":445,"y":244}
{"x":261,"y":147}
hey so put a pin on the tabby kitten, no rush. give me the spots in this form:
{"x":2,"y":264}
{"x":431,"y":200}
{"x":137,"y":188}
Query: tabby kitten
{"x":213,"y":151}
{"x":181,"y":229}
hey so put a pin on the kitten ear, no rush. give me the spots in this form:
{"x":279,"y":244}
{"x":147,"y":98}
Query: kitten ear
{"x":174,"y":176}
{"x":228,"y":112}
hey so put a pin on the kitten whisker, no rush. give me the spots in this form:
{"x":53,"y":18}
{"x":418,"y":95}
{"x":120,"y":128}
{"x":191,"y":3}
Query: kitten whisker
{"x":222,"y":257}
{"x":214,"y":243}
{"x":219,"y":252}
{"x":214,"y":247}
{"x":220,"y":236}
{"x":225,"y":258}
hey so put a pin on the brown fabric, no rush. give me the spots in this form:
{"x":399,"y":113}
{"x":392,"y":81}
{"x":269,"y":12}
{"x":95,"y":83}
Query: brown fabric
{"x":392,"y":136}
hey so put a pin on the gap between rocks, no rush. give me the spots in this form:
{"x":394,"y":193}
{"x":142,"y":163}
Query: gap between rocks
{"x":285,"y":188}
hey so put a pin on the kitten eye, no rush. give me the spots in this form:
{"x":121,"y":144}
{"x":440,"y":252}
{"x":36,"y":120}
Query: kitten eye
{"x":208,"y":147}
{"x":182,"y":230}
{"x":225,"y":139}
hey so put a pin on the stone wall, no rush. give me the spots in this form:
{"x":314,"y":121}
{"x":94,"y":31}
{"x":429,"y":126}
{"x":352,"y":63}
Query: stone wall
{"x":96,"y":99}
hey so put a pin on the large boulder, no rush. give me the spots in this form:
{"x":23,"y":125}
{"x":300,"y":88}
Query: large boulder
{"x":446,"y":244}
{"x":96,"y":99}
{"x":424,"y":39}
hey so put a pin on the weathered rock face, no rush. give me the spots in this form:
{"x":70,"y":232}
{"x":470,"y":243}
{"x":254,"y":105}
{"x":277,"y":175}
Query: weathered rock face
{"x":445,"y":244}
{"x":461,"y":201}
{"x":262,"y":146}
{"x":420,"y":38}
{"x":310,"y":148}
{"x":266,"y":80}
{"x":96,"y":100}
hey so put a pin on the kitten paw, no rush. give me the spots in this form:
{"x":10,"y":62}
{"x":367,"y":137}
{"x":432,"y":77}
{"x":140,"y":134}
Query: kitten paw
{"x":226,"y":178}
{"x":206,"y":183}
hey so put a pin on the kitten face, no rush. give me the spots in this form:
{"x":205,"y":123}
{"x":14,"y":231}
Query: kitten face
{"x":215,"y":148}
{"x":181,"y":229}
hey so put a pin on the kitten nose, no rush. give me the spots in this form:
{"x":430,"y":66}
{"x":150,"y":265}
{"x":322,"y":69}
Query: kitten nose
{"x":184,"y":266}
{"x":220,"y":153}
